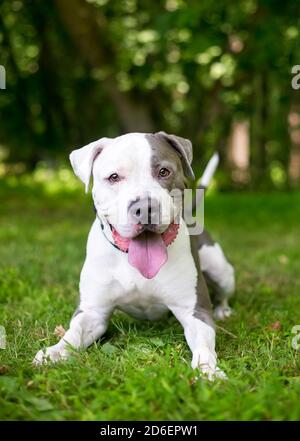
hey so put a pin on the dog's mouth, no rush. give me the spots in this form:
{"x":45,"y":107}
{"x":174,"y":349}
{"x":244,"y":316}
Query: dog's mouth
{"x":147,"y":252}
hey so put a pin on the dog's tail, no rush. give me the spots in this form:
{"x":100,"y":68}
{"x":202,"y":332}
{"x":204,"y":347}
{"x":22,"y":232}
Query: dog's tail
{"x":209,"y":171}
{"x":206,"y":177}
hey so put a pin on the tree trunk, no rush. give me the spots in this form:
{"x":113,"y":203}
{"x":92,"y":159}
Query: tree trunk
{"x":259,"y":129}
{"x":238,"y":151}
{"x":32,"y":154}
{"x":294,"y":163}
{"x":87,"y":28}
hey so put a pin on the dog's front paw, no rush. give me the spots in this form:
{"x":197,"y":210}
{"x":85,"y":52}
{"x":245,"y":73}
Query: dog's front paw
{"x":212,"y":374}
{"x":53,"y":354}
{"x":205,"y":360}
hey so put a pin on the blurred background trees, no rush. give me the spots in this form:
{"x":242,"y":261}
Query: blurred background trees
{"x":218,"y":73}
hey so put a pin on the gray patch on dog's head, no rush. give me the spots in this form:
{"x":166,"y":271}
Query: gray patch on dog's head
{"x":184,"y":149}
{"x":164,"y":155}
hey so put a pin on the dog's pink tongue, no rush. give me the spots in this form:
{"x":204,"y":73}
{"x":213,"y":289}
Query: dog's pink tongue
{"x":147,"y":253}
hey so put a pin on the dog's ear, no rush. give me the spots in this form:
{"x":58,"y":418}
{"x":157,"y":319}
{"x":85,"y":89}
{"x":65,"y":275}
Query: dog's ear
{"x":82,"y":160}
{"x":184,"y":149}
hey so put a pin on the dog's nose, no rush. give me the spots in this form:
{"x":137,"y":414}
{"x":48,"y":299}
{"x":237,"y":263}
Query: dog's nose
{"x":145,"y":211}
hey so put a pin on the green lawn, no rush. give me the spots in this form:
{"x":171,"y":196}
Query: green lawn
{"x":141,"y":370}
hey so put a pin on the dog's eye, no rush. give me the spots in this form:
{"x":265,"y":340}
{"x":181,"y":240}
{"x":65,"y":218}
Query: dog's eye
{"x":164,"y":173}
{"x":114,"y":178}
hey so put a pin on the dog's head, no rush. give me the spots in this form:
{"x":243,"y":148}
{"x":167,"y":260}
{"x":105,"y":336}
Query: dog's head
{"x":137,"y":182}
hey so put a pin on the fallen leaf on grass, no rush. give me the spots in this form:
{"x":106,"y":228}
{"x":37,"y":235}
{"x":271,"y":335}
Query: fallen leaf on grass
{"x":283,"y":259}
{"x":276,"y":325}
{"x":3,"y":370}
{"x":59,"y":331}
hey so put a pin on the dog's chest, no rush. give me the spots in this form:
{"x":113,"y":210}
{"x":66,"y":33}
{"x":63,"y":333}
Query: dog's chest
{"x":142,"y":305}
{"x":112,"y":280}
{"x":141,"y":300}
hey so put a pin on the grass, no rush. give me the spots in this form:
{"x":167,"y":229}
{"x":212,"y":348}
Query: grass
{"x":141,"y":370}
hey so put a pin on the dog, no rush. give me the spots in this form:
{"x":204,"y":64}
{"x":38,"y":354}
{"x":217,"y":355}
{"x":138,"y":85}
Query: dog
{"x":144,"y":267}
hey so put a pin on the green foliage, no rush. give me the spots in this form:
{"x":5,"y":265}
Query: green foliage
{"x":141,"y":370}
{"x":189,"y":67}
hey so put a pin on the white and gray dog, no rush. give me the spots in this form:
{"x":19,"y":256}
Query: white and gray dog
{"x":139,"y":258}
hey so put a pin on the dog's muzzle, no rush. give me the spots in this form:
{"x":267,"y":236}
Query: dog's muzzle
{"x":145,"y":211}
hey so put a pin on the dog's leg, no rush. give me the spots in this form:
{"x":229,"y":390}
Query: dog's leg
{"x":201,"y":340}
{"x":219,"y":276}
{"x":87,"y":325}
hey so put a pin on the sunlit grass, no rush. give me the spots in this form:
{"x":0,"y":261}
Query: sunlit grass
{"x":141,"y":370}
{"x":50,"y":181}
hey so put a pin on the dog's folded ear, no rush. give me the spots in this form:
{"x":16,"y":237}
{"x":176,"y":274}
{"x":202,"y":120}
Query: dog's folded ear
{"x":82,"y":160}
{"x":184,"y":149}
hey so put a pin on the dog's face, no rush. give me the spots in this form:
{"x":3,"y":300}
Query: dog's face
{"x":136,"y":177}
{"x":137,"y":180}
